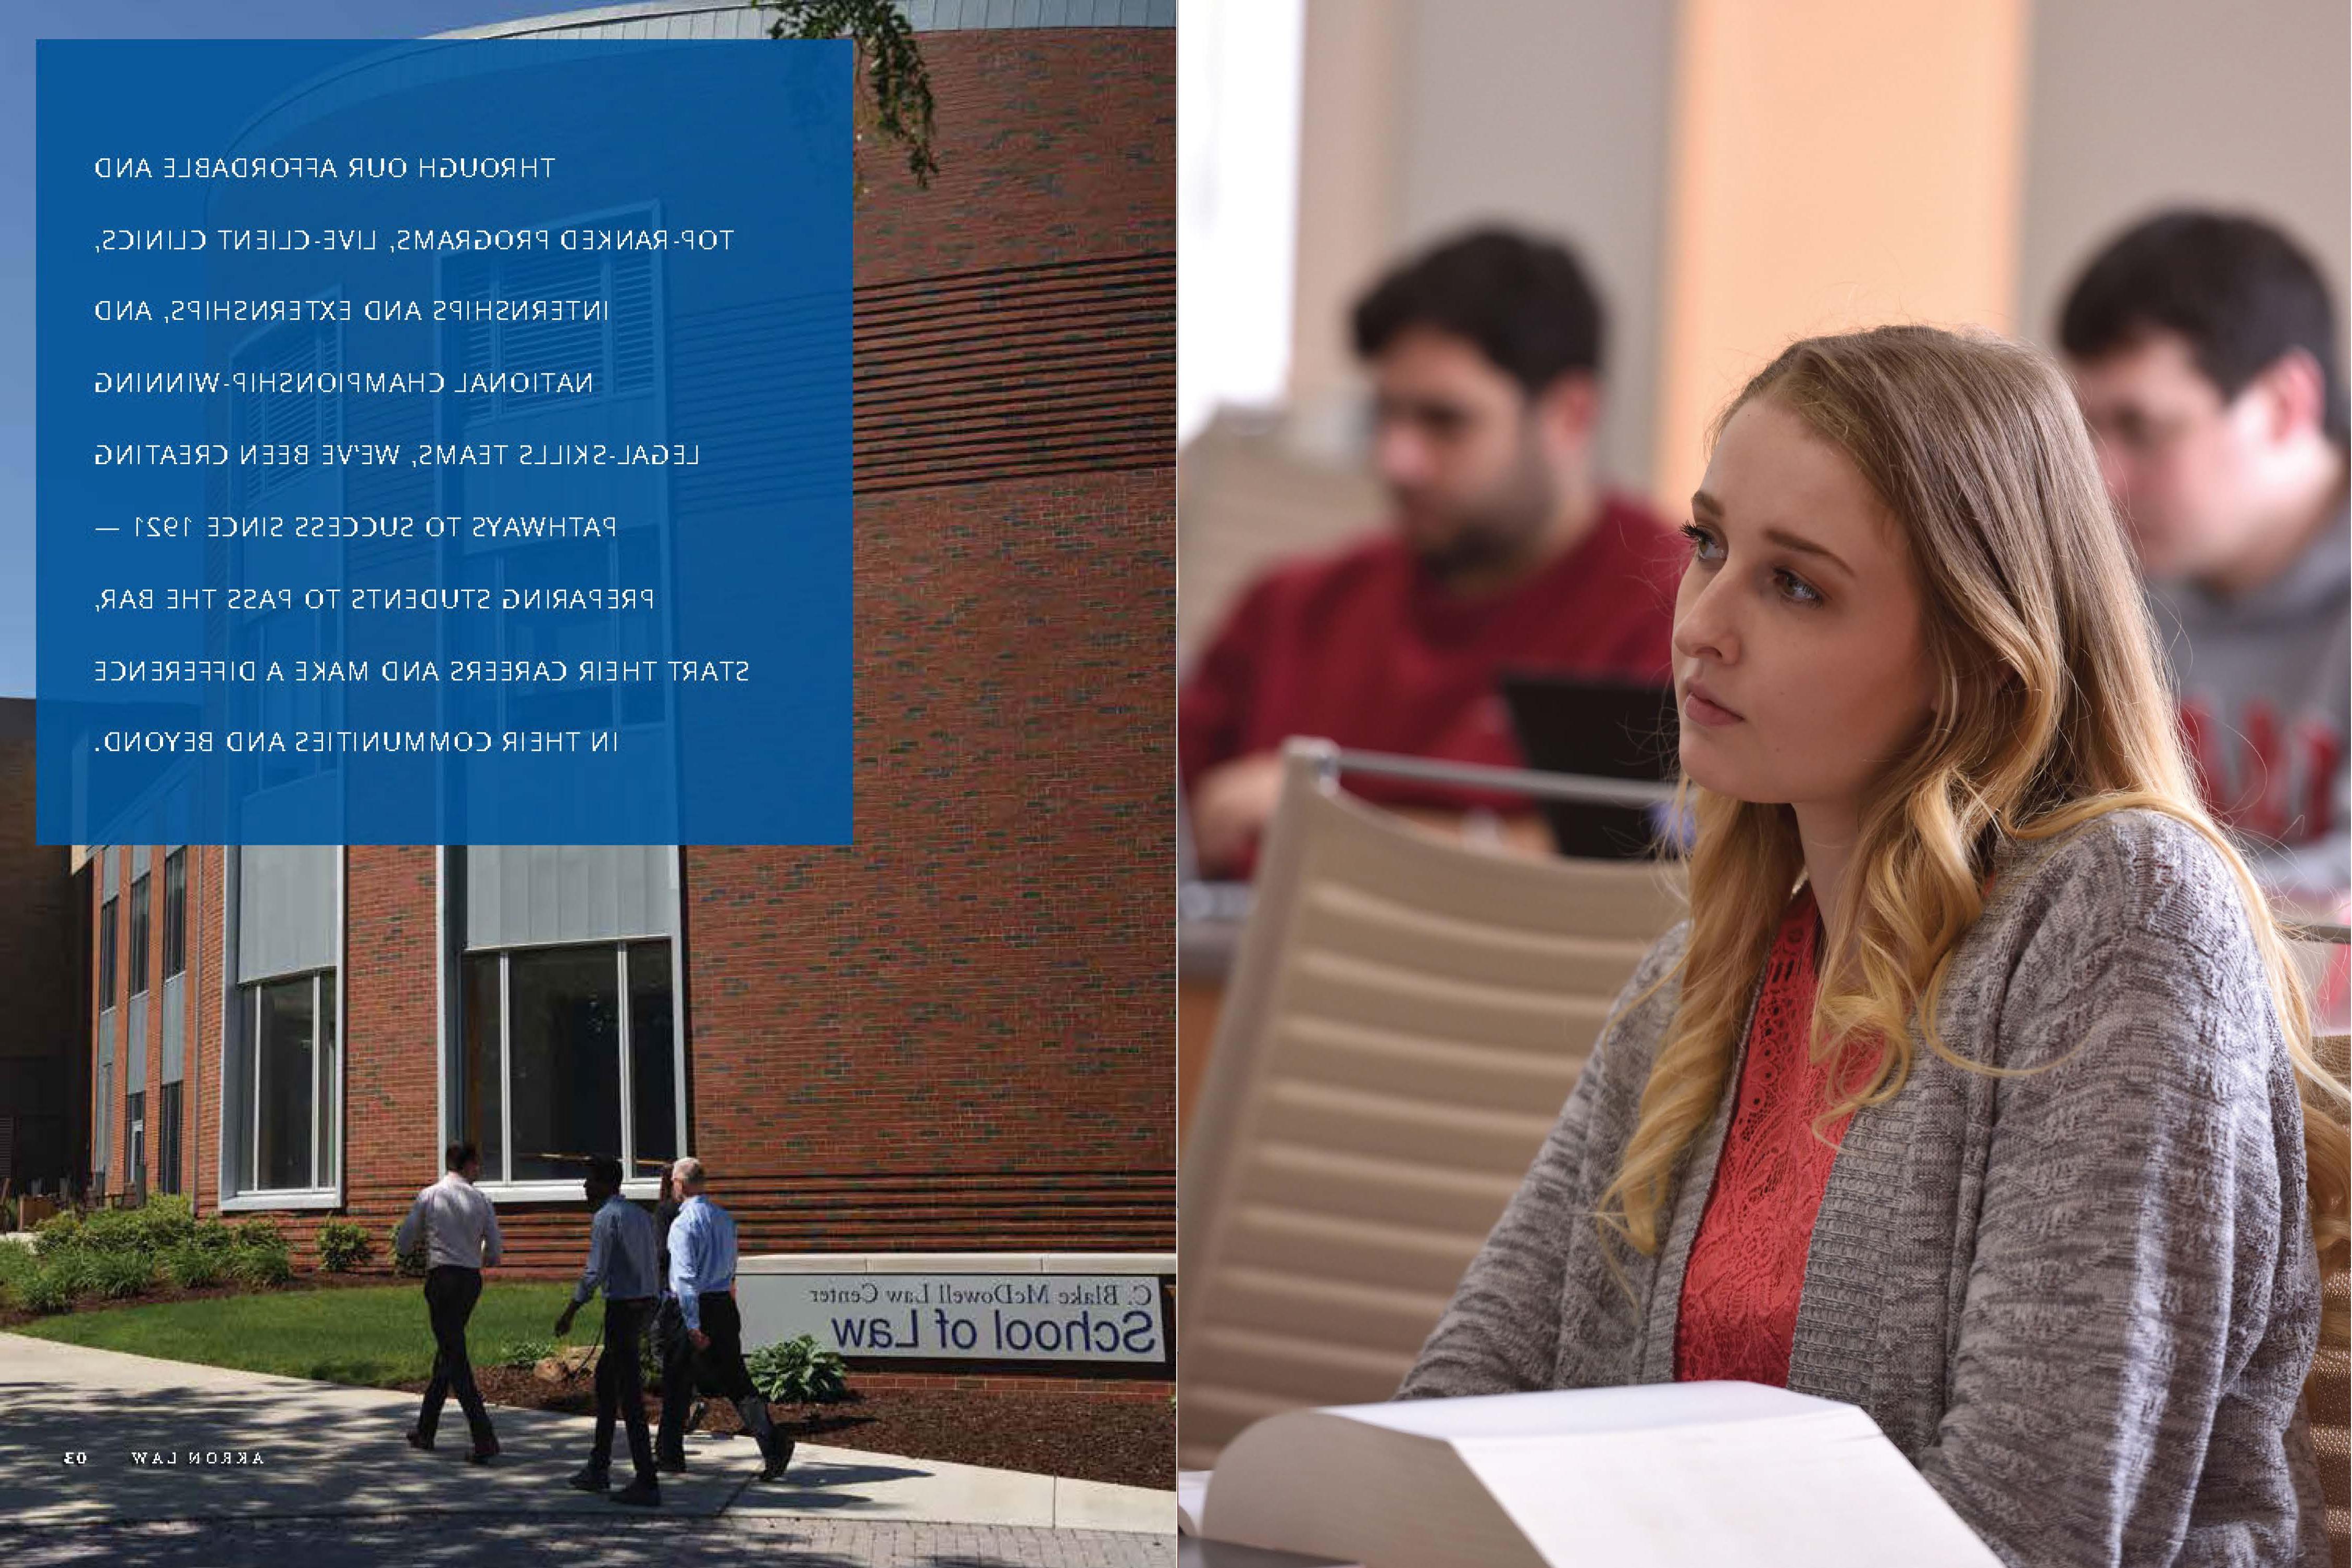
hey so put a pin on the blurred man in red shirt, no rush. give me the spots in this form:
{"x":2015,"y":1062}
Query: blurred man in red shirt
{"x":1504,"y":552}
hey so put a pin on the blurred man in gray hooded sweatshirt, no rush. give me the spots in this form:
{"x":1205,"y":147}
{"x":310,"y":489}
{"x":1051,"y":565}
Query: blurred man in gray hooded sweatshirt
{"x":2204,"y":351}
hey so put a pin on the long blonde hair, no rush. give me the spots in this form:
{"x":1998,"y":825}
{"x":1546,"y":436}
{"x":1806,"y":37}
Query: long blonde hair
{"x":2053,"y":709}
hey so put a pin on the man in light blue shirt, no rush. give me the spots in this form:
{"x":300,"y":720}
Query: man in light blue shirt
{"x":621,"y":1259}
{"x":702,"y":1277}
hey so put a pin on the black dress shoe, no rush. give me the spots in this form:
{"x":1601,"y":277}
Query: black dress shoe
{"x":676,"y":1467}
{"x":419,"y":1440}
{"x":482,"y":1452}
{"x":771,"y":1466}
{"x":592,"y":1480}
{"x":638,"y":1493}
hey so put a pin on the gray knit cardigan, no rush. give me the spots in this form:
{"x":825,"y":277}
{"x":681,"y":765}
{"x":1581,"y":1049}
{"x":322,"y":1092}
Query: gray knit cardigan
{"x":2081,"y":1300}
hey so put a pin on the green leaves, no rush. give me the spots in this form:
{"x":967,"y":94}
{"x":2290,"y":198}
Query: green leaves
{"x":897,"y":102}
{"x":798,"y":1372}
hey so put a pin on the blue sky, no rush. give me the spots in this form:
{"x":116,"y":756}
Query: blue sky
{"x":23,"y":21}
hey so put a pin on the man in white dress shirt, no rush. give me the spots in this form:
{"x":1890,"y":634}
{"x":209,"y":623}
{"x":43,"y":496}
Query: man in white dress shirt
{"x":456,"y":1224}
{"x":623,"y":1259}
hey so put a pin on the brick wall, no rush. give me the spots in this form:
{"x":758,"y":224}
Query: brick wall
{"x":957,"y":1034}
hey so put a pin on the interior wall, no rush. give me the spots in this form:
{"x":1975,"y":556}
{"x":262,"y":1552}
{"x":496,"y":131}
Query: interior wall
{"x":2137,"y":104}
{"x":1421,"y":117}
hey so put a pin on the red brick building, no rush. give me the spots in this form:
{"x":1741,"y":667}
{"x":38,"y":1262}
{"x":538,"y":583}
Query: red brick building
{"x":954,"y":1036}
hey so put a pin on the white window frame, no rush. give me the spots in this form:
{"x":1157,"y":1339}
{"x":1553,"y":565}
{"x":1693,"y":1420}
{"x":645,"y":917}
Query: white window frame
{"x":452,"y":971}
{"x":229,"y":1157}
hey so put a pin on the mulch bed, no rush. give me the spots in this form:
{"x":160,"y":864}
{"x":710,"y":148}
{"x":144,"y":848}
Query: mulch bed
{"x":1133,"y":1444}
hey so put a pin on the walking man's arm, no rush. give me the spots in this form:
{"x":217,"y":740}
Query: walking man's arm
{"x":494,"y":1245}
{"x":411,"y":1234}
{"x":600,"y":1243}
{"x":685,"y":1275}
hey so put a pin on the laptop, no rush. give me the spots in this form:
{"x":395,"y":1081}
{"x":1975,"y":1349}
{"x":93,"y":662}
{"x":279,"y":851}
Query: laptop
{"x":1599,"y":729}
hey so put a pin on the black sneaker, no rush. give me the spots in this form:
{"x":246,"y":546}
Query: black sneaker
{"x":771,"y":1466}
{"x":638,"y":1493}
{"x":671,"y":1466}
{"x":592,"y":1480}
{"x":418,"y":1440}
{"x":482,"y":1452}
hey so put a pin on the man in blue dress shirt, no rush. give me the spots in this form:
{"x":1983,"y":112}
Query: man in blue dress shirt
{"x":621,"y":1259}
{"x":702,"y":1277}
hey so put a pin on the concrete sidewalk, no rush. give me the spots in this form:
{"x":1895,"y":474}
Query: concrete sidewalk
{"x":98,"y":1437}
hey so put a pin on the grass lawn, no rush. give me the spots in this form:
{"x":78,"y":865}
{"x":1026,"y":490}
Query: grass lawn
{"x":373,"y":1337}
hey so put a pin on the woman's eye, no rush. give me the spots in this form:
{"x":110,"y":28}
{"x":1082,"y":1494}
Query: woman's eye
{"x":1795,"y":589}
{"x":1703,"y":544}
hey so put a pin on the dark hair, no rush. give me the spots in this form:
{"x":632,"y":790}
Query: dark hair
{"x":1525,"y":302}
{"x":605,"y":1169}
{"x":462,"y":1155}
{"x":2237,"y":289}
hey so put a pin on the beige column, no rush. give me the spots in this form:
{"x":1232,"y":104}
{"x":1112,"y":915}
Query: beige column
{"x":1836,"y":164}
{"x":1348,"y":159}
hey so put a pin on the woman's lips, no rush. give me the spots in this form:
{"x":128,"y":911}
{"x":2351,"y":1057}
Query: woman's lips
{"x":1701,"y":708}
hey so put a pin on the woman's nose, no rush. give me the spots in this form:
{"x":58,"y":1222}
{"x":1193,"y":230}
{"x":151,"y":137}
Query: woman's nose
{"x":1703,"y":628}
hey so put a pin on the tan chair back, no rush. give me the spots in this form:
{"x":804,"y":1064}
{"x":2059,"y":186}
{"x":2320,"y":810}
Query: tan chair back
{"x":1407,"y":1016}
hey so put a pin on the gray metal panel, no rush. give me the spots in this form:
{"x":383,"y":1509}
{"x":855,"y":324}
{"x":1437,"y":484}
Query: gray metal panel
{"x":134,"y":1045}
{"x":112,"y":860}
{"x":175,"y":1011}
{"x":138,"y":861}
{"x":285,"y":908}
{"x":521,"y":894}
{"x":106,"y":1037}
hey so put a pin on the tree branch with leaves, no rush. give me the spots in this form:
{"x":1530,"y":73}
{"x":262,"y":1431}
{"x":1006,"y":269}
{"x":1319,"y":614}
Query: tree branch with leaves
{"x":896,"y":102}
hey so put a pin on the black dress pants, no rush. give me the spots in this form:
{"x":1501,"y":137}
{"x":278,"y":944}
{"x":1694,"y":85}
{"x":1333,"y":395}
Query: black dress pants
{"x":621,"y":1387}
{"x":450,"y":1293}
{"x":678,"y":1370}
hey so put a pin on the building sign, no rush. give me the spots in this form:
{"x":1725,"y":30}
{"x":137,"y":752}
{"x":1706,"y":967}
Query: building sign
{"x":980,"y":1317}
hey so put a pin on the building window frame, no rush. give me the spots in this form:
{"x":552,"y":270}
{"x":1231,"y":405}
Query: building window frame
{"x":168,"y":1111}
{"x":142,"y":931}
{"x":176,"y":913}
{"x":135,"y":1143}
{"x":451,"y":969}
{"x":238,"y":1145}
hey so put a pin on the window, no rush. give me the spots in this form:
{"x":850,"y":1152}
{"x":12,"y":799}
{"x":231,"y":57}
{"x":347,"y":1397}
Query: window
{"x":558,"y":1041}
{"x":139,"y":936}
{"x":135,"y":1169}
{"x":291,"y":1133}
{"x":167,"y":1136}
{"x":102,"y":1125}
{"x":175,"y":912}
{"x":105,"y":940}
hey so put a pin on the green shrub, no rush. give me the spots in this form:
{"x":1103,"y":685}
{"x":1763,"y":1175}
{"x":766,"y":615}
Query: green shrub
{"x":344,"y":1245}
{"x":47,"y":1288}
{"x":215,"y":1236}
{"x":114,"y":1230}
{"x":191,"y":1265}
{"x":412,"y":1264}
{"x":76,"y":1268}
{"x":261,"y":1232}
{"x":61,"y":1232}
{"x":798,"y":1372}
{"x":261,"y":1265}
{"x":18,"y":1259}
{"x":124,"y":1274}
{"x":525,"y":1353}
{"x":165,"y":1221}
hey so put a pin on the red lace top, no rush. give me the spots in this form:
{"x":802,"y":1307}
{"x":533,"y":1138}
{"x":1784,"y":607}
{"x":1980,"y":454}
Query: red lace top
{"x":1747,"y":1269}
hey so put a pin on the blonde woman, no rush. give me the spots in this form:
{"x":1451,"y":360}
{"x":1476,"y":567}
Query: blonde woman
{"x":1974,"y":1090}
